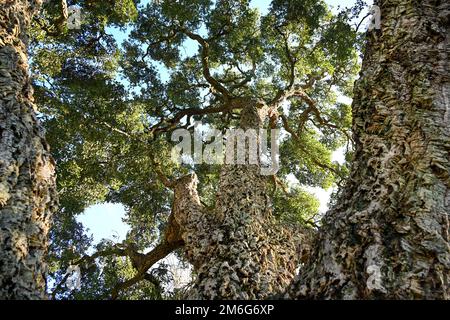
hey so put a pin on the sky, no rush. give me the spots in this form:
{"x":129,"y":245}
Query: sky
{"x":106,"y":220}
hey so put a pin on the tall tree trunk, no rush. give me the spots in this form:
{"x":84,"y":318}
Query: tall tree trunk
{"x":27,"y":179}
{"x":388,"y":236}
{"x":238,"y":251}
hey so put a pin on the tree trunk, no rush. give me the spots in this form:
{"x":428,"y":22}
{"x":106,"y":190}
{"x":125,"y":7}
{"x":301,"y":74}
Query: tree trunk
{"x":387,"y":238}
{"x":27,"y":179}
{"x":238,"y":251}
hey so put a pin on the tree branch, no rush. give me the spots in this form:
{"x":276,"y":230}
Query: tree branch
{"x":292,"y":61}
{"x":141,"y":262}
{"x":312,"y":107}
{"x":205,"y":63}
{"x":186,"y":203}
{"x":58,"y":23}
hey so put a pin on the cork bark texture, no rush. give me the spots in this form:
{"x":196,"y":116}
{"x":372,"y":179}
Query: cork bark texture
{"x":238,"y":250}
{"x":27,"y":178}
{"x":388,"y":236}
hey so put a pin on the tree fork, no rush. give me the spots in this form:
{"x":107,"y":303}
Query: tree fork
{"x":238,"y":250}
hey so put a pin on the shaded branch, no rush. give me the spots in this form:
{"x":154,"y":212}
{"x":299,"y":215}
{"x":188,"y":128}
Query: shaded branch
{"x":143,"y":262}
{"x":303,"y":149}
{"x":292,"y":61}
{"x":229,"y":106}
{"x":58,"y":23}
{"x":205,"y":63}
{"x":312,"y":108}
{"x":248,"y":76}
{"x":86,"y":260}
{"x":171,"y":123}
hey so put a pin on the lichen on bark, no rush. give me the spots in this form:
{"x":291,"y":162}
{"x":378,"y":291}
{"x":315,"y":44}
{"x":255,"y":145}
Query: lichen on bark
{"x":27,"y":179}
{"x":238,"y":250}
{"x":387,"y":237}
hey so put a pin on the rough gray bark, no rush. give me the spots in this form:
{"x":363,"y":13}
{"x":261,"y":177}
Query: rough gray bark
{"x":238,"y":251}
{"x":27,"y":179}
{"x":388,"y":236}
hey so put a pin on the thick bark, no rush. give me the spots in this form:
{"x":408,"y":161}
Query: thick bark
{"x":27,"y":179}
{"x":388,"y":236}
{"x":238,"y":251}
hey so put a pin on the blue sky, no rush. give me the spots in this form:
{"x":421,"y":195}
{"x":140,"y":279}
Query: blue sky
{"x":106,"y":220}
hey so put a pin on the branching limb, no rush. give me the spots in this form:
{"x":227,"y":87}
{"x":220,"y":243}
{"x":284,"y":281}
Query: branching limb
{"x":312,"y":108}
{"x":303,"y":149}
{"x":143,"y":262}
{"x":167,"y":124}
{"x":248,"y":76}
{"x":280,"y":96}
{"x":58,"y":23}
